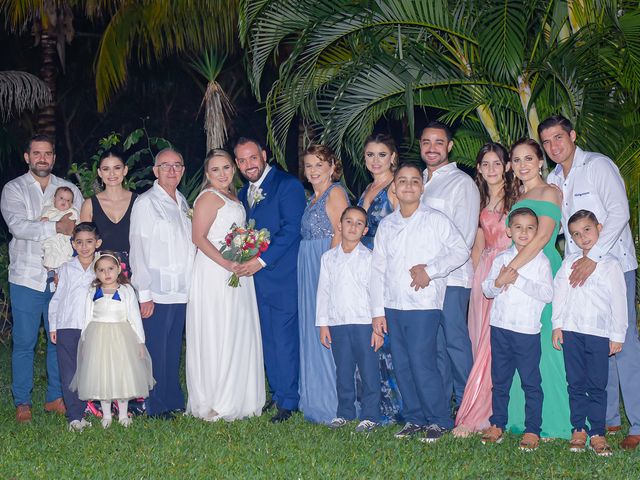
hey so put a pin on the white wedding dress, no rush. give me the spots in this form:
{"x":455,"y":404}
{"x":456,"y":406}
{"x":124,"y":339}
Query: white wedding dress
{"x":225,"y":372}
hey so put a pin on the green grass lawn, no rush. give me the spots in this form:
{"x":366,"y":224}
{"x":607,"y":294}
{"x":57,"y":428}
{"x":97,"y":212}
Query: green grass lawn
{"x":190,"y":448}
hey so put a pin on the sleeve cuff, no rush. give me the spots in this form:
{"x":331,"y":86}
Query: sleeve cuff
{"x":144,"y":296}
{"x":617,"y":338}
{"x":377,"y":312}
{"x":262,"y":262}
{"x":50,"y":228}
{"x":596,"y":254}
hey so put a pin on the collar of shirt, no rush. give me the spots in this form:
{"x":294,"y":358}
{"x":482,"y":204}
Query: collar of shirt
{"x":257,"y":183}
{"x":443,"y":170}
{"x":579,"y":159}
{"x":162,"y":194}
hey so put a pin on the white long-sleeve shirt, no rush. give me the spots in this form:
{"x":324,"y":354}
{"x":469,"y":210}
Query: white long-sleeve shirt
{"x":594,"y":183}
{"x":21,"y":205}
{"x":454,"y":193}
{"x":599,"y":307}
{"x":161,"y":253}
{"x":67,"y":307}
{"x":113,"y":311}
{"x":519,"y":307}
{"x":426,"y":237}
{"x":343,"y":287}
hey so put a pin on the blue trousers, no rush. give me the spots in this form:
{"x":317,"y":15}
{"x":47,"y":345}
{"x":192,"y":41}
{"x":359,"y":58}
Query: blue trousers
{"x":624,"y":369}
{"x":511,"y":351}
{"x":281,"y":350}
{"x":29,"y":308}
{"x":586,"y":360}
{"x":413,"y":338}
{"x":163,"y":334}
{"x":455,"y":357}
{"x":351,"y":348}
{"x":67,"y":345}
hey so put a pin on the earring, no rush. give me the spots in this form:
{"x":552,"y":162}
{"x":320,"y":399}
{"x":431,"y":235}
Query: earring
{"x":540,"y":171}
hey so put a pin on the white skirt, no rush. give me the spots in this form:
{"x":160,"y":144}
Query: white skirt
{"x":112,"y":364}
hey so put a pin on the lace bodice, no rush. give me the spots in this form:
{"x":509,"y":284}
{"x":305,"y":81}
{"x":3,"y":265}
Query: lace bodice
{"x":315,"y":221}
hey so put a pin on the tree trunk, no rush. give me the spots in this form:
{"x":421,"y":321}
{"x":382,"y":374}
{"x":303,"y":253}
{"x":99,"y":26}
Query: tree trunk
{"x":46,"y":122}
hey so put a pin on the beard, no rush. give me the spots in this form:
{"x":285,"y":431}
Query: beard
{"x":41,"y":171}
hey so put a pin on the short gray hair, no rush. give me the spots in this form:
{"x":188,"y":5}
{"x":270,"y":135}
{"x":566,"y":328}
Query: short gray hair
{"x":168,"y":150}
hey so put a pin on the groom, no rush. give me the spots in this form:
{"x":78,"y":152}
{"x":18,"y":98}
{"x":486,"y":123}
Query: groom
{"x":276,"y":201}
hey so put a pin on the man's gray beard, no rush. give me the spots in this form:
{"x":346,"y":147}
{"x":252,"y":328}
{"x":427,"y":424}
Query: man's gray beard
{"x":39,"y":172}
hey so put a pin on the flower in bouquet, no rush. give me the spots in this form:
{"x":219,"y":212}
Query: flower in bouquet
{"x":242,"y":243}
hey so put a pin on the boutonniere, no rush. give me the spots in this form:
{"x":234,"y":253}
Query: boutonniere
{"x":258,"y":196}
{"x":190,"y":213}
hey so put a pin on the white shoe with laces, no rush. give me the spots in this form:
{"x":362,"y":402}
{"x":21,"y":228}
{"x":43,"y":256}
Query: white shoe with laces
{"x":106,"y":422}
{"x":337,"y":422}
{"x":125,"y":422}
{"x":366,"y":426}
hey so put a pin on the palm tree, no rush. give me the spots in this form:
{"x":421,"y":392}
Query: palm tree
{"x":495,"y":67}
{"x":51,"y":23}
{"x":147,"y":31}
{"x":20,"y":91}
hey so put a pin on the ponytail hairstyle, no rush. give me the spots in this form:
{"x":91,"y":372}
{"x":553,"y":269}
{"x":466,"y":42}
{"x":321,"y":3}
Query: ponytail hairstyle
{"x":113,"y":257}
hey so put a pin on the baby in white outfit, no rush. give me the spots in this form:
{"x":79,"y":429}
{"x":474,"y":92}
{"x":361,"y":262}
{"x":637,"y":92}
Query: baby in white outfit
{"x":57,"y":249}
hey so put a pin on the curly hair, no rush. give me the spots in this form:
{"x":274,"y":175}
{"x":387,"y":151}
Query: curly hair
{"x":325,"y":154}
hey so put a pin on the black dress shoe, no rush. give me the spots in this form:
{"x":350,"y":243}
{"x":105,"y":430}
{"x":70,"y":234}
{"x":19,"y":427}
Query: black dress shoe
{"x":269,"y":405}
{"x":282,"y":416}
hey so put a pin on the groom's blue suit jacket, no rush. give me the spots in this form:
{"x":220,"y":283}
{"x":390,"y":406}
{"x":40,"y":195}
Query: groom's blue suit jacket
{"x":280,"y":211}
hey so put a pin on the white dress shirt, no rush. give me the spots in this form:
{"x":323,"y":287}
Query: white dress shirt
{"x":454,"y":193}
{"x":343,"y":287}
{"x":599,"y":307}
{"x":254,"y":187}
{"x":426,"y":237}
{"x":21,"y":204}
{"x":594,"y":183}
{"x":519,"y":307}
{"x":107,"y":310}
{"x":161,"y":252}
{"x":67,"y":307}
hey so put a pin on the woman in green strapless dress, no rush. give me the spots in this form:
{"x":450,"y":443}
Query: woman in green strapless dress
{"x":544,"y":200}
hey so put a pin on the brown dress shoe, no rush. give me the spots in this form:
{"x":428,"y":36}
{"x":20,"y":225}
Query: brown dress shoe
{"x":529,"y":442}
{"x":55,"y":406}
{"x":612,"y":429}
{"x":630,"y":442}
{"x":23,"y":413}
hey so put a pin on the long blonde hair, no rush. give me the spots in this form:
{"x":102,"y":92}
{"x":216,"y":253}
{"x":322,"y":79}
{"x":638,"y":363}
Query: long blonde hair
{"x":218,"y":152}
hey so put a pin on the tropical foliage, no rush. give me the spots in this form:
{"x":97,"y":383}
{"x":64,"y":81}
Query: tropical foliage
{"x":20,"y":91}
{"x":492,"y":67}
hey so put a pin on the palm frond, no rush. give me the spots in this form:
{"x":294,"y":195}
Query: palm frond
{"x":20,"y":91}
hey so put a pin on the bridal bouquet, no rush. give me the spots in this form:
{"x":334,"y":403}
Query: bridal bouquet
{"x":241,"y":244}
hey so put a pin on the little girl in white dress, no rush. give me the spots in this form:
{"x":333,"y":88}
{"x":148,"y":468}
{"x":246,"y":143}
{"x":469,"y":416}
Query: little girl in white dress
{"x":113,"y":362}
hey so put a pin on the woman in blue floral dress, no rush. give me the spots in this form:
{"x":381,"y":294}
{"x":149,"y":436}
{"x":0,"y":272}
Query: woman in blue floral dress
{"x":381,"y":158}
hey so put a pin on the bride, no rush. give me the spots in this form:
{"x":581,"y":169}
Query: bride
{"x":225,"y":377}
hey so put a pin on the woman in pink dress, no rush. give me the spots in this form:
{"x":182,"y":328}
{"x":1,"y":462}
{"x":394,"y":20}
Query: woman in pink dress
{"x":497,"y":194}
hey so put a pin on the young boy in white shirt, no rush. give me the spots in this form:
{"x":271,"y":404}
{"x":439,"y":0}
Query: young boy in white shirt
{"x":590,"y":322}
{"x":519,"y":299}
{"x":67,"y":315}
{"x":343,"y":314}
{"x":416,"y":248}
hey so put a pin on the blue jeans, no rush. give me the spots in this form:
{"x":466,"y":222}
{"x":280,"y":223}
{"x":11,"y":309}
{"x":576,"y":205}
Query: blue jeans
{"x":29,"y":308}
{"x":413,"y":338}
{"x":624,"y":368}
{"x":586,"y":360}
{"x":511,"y":351}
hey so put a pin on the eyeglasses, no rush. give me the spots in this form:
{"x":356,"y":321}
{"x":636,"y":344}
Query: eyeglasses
{"x":165,"y":167}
